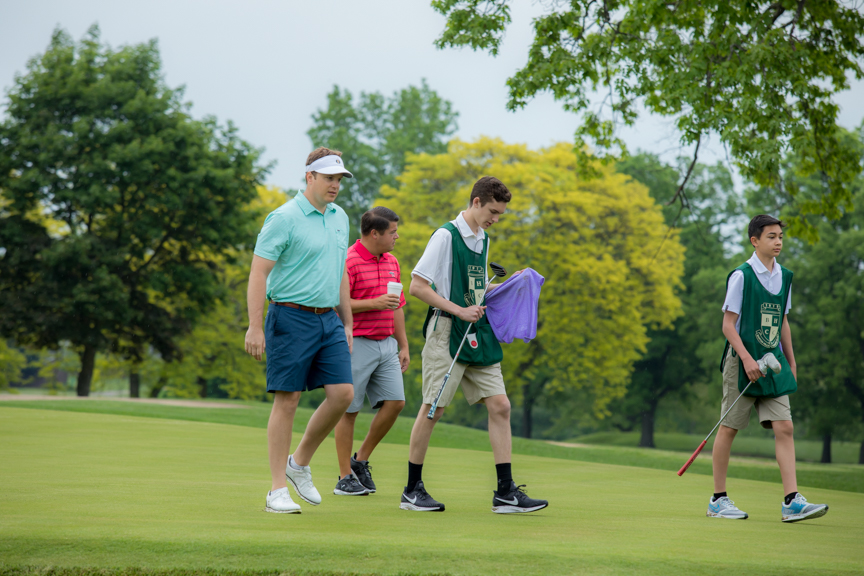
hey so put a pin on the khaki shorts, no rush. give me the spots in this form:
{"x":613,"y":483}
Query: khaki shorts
{"x":478,"y":382}
{"x":768,"y":409}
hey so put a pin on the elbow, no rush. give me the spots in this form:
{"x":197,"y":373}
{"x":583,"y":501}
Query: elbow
{"x":413,"y":288}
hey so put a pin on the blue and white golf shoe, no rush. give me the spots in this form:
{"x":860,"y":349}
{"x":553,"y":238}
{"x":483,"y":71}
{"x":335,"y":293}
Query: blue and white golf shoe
{"x":723,"y":507}
{"x":799,"y":509}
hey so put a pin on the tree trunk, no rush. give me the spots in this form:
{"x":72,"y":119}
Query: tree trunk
{"x":861,"y":453}
{"x":134,"y":385}
{"x":202,"y":383}
{"x":155,"y":390}
{"x":826,"y":449}
{"x":647,"y":439}
{"x":527,"y":407}
{"x":85,"y":376}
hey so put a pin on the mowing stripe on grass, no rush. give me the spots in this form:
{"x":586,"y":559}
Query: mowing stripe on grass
{"x":845,"y":477}
{"x":109,"y":492}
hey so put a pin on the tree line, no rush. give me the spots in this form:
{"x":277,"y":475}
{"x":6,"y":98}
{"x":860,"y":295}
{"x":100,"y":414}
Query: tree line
{"x":126,"y":229}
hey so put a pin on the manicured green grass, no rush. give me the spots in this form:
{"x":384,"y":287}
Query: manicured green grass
{"x":745,"y":445}
{"x":255,"y":415}
{"x":110,"y":491}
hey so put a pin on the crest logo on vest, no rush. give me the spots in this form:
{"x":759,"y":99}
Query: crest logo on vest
{"x":476,"y":280}
{"x":768,"y":333}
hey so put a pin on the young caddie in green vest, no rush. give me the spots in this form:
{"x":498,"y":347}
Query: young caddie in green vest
{"x":451,"y":277}
{"x":758,"y":298}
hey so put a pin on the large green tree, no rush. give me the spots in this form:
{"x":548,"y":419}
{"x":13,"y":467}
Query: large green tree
{"x":376,"y":132}
{"x":117,"y":206}
{"x":760,"y":76}
{"x":611,"y":269}
{"x":686,"y":354}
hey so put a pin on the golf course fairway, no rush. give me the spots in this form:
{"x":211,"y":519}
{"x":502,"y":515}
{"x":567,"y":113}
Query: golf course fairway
{"x":112,"y":492}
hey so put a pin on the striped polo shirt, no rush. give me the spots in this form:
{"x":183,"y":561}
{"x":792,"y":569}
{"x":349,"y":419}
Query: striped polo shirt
{"x":369,"y":276}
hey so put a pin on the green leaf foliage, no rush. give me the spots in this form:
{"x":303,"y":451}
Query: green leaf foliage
{"x":375,"y":132}
{"x":758,"y":75}
{"x":116,"y":205}
{"x":611,"y":269}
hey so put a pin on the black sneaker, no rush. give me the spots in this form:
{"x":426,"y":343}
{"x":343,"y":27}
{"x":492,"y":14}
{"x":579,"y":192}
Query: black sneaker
{"x":419,"y":500}
{"x":515,"y":500}
{"x":349,"y":486}
{"x":363,"y":471}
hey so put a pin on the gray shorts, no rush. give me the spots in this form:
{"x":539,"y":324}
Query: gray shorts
{"x":376,"y":372}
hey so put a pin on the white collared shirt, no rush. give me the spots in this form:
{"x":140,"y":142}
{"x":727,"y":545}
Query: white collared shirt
{"x":771,"y":281}
{"x":436,"y":264}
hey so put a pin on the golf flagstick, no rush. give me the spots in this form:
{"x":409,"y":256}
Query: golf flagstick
{"x":498,"y":272}
{"x":705,"y":441}
{"x":766,"y":362}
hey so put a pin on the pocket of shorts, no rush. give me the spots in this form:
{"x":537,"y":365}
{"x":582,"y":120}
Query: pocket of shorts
{"x":280,"y":323}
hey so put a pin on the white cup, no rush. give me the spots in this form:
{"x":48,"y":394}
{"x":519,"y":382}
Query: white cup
{"x":394,"y":288}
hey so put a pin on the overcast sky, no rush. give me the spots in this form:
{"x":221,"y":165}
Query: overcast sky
{"x":267,"y":65}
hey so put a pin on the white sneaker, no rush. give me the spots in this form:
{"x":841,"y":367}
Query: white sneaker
{"x":302,"y":482}
{"x":279,"y":502}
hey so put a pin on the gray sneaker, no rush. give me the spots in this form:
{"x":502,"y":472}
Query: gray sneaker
{"x":350,"y":486}
{"x":724,"y":508}
{"x":799,"y":509}
{"x":363,"y":471}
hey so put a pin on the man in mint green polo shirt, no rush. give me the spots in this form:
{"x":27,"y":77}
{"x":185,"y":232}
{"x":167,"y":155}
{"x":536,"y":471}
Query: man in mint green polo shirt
{"x":299,"y":266}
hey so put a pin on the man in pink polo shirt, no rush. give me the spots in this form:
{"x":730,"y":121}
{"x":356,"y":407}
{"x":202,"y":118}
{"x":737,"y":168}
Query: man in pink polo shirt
{"x":378,"y":359}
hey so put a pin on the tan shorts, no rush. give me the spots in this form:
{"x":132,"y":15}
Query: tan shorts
{"x":768,"y":409}
{"x":478,"y":382}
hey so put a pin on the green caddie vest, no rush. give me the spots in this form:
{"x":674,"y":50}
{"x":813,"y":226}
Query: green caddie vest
{"x":466,"y":287}
{"x":761,"y":321}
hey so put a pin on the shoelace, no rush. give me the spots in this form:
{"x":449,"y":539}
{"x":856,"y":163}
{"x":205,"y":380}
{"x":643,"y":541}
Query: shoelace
{"x":726,"y":500}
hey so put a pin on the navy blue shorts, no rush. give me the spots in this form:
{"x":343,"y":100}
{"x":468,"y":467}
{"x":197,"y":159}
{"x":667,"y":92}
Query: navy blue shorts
{"x":305,"y":350}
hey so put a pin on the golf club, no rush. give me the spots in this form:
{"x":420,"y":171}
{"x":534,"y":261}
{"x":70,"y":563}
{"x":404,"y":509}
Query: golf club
{"x":768,"y":361}
{"x":499,"y":272}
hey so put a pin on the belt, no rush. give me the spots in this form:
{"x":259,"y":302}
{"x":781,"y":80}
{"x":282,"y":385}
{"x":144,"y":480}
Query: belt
{"x":443,"y":314}
{"x":304,"y":308}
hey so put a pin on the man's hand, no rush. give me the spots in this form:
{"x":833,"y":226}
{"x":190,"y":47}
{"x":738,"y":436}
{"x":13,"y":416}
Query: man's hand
{"x":387,"y":302}
{"x":472,"y":313}
{"x":404,"y":359}
{"x":255,"y":342}
{"x":349,"y":336}
{"x":751,"y":368}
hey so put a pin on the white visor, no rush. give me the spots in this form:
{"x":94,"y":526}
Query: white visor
{"x":329,"y":165}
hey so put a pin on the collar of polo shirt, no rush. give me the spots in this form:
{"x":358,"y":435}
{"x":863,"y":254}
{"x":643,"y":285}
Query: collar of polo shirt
{"x":331,"y":164}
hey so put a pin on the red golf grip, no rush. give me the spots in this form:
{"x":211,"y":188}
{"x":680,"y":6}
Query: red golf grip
{"x":692,"y":458}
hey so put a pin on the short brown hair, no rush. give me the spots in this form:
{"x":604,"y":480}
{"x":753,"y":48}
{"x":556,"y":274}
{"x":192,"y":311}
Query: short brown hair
{"x":378,"y":219}
{"x":321,"y":152}
{"x":758,"y":224}
{"x":489,"y":188}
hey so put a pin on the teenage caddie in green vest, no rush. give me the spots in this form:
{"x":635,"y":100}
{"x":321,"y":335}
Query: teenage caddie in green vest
{"x":299,"y":267}
{"x":450,"y":277}
{"x":758,"y":298}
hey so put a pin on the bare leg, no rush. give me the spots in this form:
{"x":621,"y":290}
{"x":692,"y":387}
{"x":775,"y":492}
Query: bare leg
{"x":421,"y":433}
{"x":344,"y":432}
{"x":279,"y":435}
{"x":720,"y":456}
{"x":339,"y":397}
{"x":499,"y":427}
{"x":784,"y":447}
{"x":381,"y":425}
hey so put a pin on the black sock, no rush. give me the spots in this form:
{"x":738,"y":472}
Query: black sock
{"x":505,"y":477}
{"x":790,"y":497}
{"x":415,"y":474}
{"x":718,"y":495}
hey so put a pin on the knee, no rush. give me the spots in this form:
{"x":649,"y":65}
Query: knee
{"x":499,"y":408}
{"x":397,"y":406}
{"x":286,"y":401}
{"x":343,"y":396}
{"x":783,"y":428}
